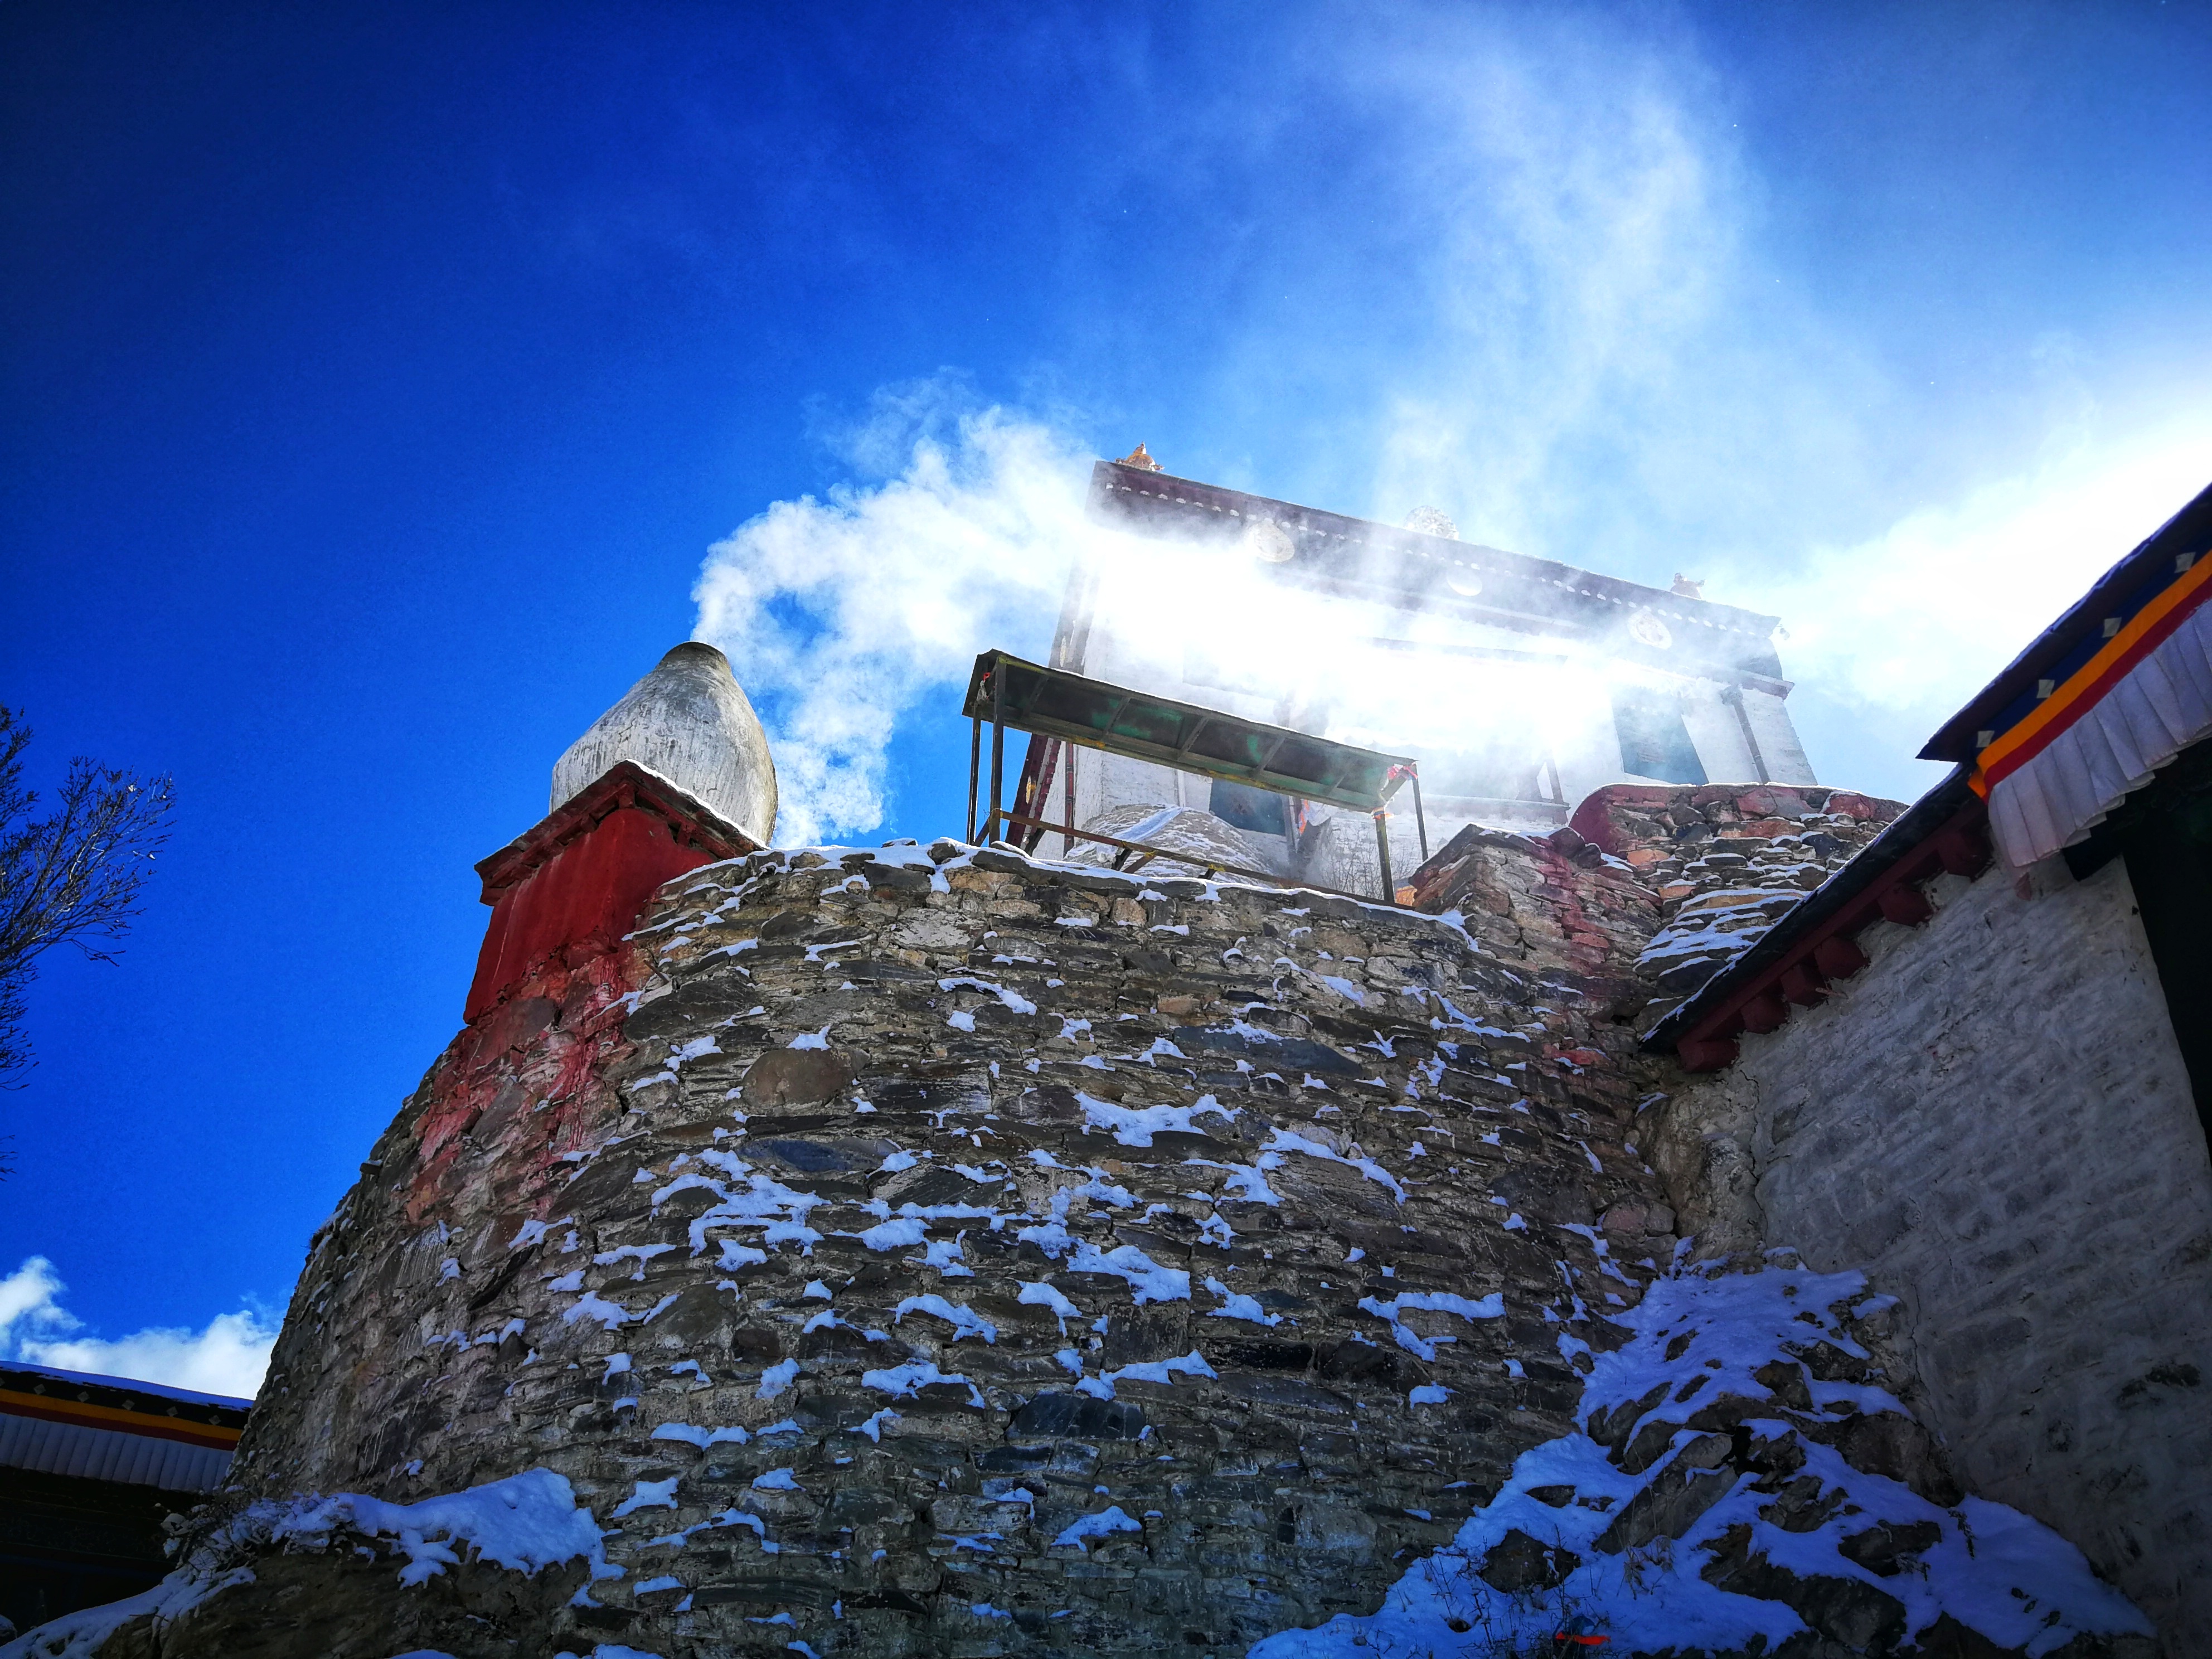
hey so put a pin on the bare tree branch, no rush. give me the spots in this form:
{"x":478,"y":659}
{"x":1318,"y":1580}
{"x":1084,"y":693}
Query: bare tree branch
{"x":71,"y":877}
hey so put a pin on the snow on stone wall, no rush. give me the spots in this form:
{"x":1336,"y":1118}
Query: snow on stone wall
{"x":1727,"y":861}
{"x":968,"y":1255}
{"x":933,"y":1251}
{"x":1743,"y":1482}
{"x":1993,"y":1121}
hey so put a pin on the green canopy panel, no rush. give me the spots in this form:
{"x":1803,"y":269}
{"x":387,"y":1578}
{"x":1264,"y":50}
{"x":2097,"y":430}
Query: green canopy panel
{"x":1055,"y":703}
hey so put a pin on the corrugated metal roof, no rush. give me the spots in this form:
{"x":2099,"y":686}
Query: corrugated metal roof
{"x":1055,"y":703}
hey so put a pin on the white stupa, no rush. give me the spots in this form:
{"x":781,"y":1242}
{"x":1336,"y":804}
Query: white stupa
{"x":687,"y":721}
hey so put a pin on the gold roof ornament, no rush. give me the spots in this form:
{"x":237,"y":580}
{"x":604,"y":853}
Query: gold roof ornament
{"x":1137,"y":458}
{"x":1684,"y":588}
{"x":1432,"y":521}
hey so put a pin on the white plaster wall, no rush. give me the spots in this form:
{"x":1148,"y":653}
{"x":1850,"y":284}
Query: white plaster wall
{"x":1994,"y":1122}
{"x":1777,"y":739}
{"x":1716,"y":733}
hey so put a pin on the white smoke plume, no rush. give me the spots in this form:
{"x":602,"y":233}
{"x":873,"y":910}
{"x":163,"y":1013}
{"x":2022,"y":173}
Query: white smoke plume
{"x":1534,"y":278}
{"x":842,"y":616}
{"x":839,"y":615}
{"x":227,"y":1357}
{"x":847,"y":615}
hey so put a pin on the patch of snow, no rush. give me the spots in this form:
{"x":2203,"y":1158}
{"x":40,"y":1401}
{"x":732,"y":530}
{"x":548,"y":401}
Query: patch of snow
{"x":901,"y":1234}
{"x":1136,"y":1126}
{"x":1288,"y":1141}
{"x":1489,"y":1307}
{"x":1236,"y":1305}
{"x":904,"y":1381}
{"x":776,"y":1378}
{"x":1246,"y":1182}
{"x":648,"y":1494}
{"x":2006,"y":1577}
{"x":1038,"y":1294}
{"x":1147,"y":1370}
{"x":1104,"y":1524}
{"x":965,"y":1322}
{"x":1013,"y":1001}
{"x":591,"y":1305}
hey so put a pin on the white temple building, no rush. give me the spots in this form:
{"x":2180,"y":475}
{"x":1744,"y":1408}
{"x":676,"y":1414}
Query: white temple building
{"x":1521,"y":684}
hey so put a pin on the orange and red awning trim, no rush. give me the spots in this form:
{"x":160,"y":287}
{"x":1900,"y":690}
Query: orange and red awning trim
{"x":2141,"y":634}
{"x":157,"y":1426}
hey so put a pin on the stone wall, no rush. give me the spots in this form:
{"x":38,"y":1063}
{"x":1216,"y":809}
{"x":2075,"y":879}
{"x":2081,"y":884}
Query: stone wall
{"x":1727,"y":861}
{"x":1992,"y":1120}
{"x":967,"y":1256}
{"x":910,"y":1251}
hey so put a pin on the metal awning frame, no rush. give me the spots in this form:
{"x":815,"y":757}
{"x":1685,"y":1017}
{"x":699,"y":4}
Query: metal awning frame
{"x":987,"y":693}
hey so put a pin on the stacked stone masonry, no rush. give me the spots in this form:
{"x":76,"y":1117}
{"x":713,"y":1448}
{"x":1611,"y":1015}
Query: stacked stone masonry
{"x":1994,"y":1121}
{"x":1727,"y":863}
{"x":936,"y":1251}
{"x":938,"y":1208}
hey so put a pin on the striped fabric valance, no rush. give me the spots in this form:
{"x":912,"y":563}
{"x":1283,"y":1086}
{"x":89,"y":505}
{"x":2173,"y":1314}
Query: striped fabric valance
{"x":98,"y":1454}
{"x":2145,"y":696}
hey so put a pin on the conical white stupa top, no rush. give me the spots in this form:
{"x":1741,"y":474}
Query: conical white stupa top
{"x":688,"y":721}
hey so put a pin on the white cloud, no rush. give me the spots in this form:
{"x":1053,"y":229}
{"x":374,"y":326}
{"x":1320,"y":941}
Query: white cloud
{"x":27,"y":1302}
{"x":1542,"y":290}
{"x":1900,"y":630}
{"x":840,"y":616}
{"x":1540,"y":282}
{"x":228,"y":1356}
{"x":1922,"y":616}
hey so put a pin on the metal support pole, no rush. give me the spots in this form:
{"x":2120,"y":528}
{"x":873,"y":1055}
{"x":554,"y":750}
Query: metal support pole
{"x":1420,"y":818}
{"x":1067,"y":761}
{"x":975,"y":767}
{"x":1383,"y":851}
{"x":998,"y":742}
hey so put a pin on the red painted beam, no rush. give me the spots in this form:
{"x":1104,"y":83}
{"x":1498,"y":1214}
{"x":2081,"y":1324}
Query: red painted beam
{"x":1763,"y":1011}
{"x":1963,"y":849}
{"x":1960,"y":846}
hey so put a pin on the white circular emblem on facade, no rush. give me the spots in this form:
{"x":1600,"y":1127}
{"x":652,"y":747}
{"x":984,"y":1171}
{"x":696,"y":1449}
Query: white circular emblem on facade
{"x":1463,"y":581}
{"x":1269,"y":542}
{"x":1647,"y":630}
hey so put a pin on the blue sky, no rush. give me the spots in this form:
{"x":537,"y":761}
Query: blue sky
{"x":377,"y":380}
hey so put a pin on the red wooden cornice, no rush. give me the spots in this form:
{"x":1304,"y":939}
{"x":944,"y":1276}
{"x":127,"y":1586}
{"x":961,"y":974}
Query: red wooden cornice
{"x":694,"y":825}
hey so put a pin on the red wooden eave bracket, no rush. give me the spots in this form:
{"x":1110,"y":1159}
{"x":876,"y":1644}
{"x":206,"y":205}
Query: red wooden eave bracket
{"x":1829,"y":951}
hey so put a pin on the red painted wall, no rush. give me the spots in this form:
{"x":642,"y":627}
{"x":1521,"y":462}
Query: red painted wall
{"x":579,"y":902}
